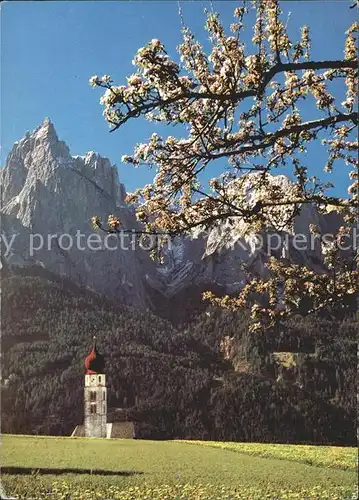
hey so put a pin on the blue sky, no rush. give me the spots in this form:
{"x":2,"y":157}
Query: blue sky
{"x":51,"y":49}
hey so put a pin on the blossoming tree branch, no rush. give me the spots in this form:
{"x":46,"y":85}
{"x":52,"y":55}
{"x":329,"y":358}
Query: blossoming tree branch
{"x":247,"y":107}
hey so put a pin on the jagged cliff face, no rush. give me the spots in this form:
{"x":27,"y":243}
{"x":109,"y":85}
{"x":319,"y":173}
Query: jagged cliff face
{"x":47,"y":191}
{"x":217,"y":258}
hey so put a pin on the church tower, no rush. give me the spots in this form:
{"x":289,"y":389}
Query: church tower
{"x":95,"y":397}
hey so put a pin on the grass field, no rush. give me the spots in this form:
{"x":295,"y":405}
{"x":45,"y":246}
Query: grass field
{"x":79,"y":468}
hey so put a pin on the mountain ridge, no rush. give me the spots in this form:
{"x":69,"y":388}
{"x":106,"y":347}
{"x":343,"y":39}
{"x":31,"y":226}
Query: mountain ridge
{"x":47,"y":191}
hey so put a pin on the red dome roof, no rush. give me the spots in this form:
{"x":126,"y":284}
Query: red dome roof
{"x":94,"y":362}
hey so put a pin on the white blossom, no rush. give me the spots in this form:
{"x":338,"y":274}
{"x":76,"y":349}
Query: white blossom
{"x":94,"y":80}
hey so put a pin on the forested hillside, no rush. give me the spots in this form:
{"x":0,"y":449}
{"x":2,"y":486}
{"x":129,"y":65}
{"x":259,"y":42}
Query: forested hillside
{"x":207,"y":379}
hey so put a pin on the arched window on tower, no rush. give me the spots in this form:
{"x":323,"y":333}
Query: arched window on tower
{"x":99,"y":379}
{"x":93,"y":409}
{"x":104,"y":395}
{"x":92,"y":396}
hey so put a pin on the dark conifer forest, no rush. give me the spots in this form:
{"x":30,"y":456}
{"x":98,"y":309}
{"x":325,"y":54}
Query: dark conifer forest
{"x":207,"y":378}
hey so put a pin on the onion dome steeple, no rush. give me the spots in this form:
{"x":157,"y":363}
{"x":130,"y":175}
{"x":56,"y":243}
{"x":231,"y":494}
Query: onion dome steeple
{"x":94,"y":362}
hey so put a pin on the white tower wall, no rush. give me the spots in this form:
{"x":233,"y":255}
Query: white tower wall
{"x":95,"y":400}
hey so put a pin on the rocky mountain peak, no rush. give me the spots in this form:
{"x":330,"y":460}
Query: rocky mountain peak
{"x":46,"y":191}
{"x":40,"y":154}
{"x":46,"y":131}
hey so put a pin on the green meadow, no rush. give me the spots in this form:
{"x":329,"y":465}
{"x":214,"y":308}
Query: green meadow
{"x":57,"y":468}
